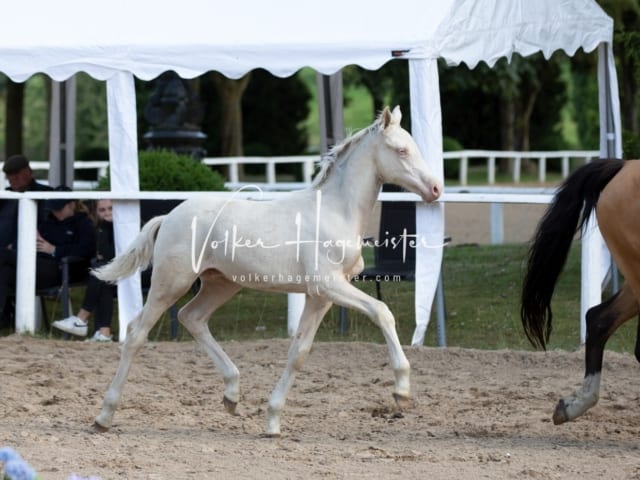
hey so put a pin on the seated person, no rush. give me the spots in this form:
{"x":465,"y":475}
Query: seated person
{"x":66,"y":231}
{"x":99,"y":295}
{"x":20,"y":176}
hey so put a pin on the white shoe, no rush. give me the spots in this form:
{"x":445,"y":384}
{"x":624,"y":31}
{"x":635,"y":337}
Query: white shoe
{"x":72,"y":325}
{"x":99,"y":337}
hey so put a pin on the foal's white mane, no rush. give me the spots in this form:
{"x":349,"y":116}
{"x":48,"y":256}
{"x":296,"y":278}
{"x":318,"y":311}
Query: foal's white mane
{"x":335,"y":154}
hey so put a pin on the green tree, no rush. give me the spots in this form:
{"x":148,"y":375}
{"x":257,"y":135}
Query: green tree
{"x":274,"y":113}
{"x":14,"y":108}
{"x":626,"y":47}
{"x":92,"y":136}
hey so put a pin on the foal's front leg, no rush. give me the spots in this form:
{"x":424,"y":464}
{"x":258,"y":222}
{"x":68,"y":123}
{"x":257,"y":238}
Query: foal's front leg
{"x":345,"y":294}
{"x":314,"y":310}
{"x":602,"y":321}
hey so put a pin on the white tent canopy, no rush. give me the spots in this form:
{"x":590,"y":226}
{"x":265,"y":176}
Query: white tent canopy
{"x":118,"y":40}
{"x":194,"y":36}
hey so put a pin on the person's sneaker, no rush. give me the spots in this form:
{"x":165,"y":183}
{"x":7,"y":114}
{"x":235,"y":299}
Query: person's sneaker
{"x":72,"y":325}
{"x":99,"y":337}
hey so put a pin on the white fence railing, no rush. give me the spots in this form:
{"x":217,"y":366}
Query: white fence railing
{"x":270,"y":179}
{"x":490,"y":156}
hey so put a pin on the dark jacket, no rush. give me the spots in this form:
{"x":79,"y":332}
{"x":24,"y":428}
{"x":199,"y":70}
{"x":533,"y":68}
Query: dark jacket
{"x":74,"y":236}
{"x":9,"y":215}
{"x":106,"y":245}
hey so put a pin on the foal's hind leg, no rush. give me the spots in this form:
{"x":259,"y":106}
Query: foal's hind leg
{"x":195,"y":315}
{"x":314,"y":310}
{"x":160,"y":298}
{"x":602,"y":321}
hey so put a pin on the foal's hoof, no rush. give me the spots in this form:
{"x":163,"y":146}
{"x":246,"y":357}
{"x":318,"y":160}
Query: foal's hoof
{"x":229,"y":406}
{"x":270,"y":435}
{"x":402,"y":402}
{"x":99,"y":428}
{"x":560,"y":414}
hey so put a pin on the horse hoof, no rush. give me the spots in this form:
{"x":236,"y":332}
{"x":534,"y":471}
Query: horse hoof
{"x":402,"y":402}
{"x":229,"y":406}
{"x":270,"y":435}
{"x":560,"y":414}
{"x":99,"y":428}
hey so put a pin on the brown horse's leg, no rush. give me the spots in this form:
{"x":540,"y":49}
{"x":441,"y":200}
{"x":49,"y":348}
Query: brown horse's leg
{"x":618,"y":213}
{"x":637,"y":349}
{"x":602,"y":321}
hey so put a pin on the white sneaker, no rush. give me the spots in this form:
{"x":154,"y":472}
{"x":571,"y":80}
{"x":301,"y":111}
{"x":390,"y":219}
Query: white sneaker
{"x":99,"y":337}
{"x":72,"y":325}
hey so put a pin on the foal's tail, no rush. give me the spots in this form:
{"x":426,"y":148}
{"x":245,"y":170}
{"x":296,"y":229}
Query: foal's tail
{"x":138,"y":255}
{"x":569,"y":211}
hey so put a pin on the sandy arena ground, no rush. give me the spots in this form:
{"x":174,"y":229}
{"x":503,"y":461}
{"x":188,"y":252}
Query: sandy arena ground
{"x":476,"y":414}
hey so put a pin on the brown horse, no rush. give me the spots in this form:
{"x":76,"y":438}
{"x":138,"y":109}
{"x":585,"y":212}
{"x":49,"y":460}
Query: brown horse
{"x":612,"y":189}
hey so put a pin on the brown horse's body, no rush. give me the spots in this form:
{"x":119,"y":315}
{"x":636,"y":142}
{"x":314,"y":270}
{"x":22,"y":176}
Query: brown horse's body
{"x":612,"y":189}
{"x":618,"y":213}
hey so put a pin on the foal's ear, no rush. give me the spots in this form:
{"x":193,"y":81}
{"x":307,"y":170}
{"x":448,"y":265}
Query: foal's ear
{"x":396,"y":114}
{"x":387,"y":117}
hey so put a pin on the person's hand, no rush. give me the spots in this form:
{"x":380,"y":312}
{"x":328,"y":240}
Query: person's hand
{"x":43,"y":246}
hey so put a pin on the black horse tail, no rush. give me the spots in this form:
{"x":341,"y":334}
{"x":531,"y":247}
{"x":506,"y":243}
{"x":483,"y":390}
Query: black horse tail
{"x":570,"y":210}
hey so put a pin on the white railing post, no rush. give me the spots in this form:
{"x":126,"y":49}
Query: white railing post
{"x":491,"y":170}
{"x":271,"y":172}
{"x":565,"y":167}
{"x":26,"y":266}
{"x":517,"y":164}
{"x":497,"y":223}
{"x":464,"y":164}
{"x":307,"y":171}
{"x":542,"y":169}
{"x":233,"y":172}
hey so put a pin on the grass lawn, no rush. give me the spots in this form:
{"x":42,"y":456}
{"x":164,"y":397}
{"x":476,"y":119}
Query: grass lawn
{"x":482,"y":288}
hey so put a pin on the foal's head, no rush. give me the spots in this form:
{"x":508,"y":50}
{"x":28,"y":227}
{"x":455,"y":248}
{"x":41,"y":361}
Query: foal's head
{"x":399,"y":161}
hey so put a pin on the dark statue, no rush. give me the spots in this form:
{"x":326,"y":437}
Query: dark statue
{"x":174,"y":113}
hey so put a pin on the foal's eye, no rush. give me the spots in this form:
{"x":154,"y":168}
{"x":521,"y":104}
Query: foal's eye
{"x":403,"y":152}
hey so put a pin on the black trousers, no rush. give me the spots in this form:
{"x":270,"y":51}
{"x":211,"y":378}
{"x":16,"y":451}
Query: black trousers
{"x":98,"y":299}
{"x":48,"y":274}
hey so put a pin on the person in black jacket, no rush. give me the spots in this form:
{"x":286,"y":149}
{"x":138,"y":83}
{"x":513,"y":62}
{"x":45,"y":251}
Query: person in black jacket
{"x":66,"y":231}
{"x":20,"y":177}
{"x":99,"y":295}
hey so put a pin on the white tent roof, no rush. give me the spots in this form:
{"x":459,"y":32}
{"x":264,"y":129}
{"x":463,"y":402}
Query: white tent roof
{"x":147,"y":37}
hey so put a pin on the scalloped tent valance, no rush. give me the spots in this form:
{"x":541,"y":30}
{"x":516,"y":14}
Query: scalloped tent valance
{"x":145,"y":38}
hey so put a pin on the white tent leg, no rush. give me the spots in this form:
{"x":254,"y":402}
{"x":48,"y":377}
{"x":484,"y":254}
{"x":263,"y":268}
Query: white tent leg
{"x":123,"y":155}
{"x":426,"y":127}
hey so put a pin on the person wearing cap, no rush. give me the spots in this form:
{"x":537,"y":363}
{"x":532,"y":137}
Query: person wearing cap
{"x":20,"y":176}
{"x":66,"y":231}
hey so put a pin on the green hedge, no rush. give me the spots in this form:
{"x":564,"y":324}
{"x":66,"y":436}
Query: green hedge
{"x":166,"y":171}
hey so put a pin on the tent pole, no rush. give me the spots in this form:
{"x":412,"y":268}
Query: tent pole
{"x":62,"y":132}
{"x":330,"y":100}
